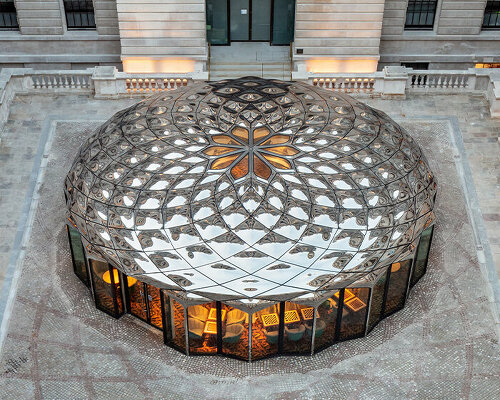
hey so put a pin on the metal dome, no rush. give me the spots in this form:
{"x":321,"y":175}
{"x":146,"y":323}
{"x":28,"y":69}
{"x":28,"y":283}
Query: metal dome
{"x":250,"y":189}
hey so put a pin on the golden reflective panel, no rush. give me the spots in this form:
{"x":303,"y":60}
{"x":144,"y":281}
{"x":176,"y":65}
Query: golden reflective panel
{"x":240,"y":169}
{"x":217,"y":150}
{"x":260,"y":133}
{"x":283,"y":150}
{"x":241,"y":133}
{"x":260,"y":168}
{"x":223,"y":139}
{"x":223,"y":162}
{"x":276,"y":139}
{"x":277,"y":162}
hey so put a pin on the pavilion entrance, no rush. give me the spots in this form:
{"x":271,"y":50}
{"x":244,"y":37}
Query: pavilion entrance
{"x":269,"y":21}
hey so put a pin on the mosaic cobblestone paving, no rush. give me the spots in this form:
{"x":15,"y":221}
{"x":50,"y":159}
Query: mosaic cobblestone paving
{"x":443,"y":345}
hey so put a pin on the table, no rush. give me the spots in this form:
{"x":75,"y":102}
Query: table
{"x":270,"y":319}
{"x":347,"y":295}
{"x":210,"y":327}
{"x":291,"y":316}
{"x":212,"y":315}
{"x":355,"y":304}
{"x":308,"y":313}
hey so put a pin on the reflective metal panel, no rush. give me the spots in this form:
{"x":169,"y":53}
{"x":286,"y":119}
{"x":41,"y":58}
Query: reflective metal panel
{"x":250,"y":190}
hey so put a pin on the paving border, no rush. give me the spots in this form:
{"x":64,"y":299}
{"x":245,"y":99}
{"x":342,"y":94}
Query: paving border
{"x":483,"y":250}
{"x":30,"y":203}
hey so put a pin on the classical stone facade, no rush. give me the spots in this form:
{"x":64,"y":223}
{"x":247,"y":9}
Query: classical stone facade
{"x":171,"y":35}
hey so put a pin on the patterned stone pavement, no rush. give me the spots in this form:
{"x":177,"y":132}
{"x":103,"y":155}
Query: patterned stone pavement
{"x":443,"y":345}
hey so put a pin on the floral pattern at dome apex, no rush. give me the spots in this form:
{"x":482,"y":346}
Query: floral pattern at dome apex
{"x":250,"y":189}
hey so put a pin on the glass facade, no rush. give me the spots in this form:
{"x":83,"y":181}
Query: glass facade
{"x":78,"y":255}
{"x":295,"y":339}
{"x":377,"y":301}
{"x":202,"y":328}
{"x":353,"y":320}
{"x":420,"y":263}
{"x":282,"y":328}
{"x":398,"y":286}
{"x":106,"y":284}
{"x":235,"y":332}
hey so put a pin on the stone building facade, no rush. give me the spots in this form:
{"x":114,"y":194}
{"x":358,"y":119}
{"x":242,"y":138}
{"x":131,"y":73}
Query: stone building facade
{"x":327,"y":36}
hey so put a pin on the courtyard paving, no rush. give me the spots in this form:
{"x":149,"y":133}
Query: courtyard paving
{"x":56,"y":345}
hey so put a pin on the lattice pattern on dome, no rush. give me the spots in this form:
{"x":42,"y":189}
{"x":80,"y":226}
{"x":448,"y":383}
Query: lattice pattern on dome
{"x":250,"y":189}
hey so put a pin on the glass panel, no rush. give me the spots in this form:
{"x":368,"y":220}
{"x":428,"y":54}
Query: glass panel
{"x":176,"y":333}
{"x":107,"y":292}
{"x":277,"y":162}
{"x":239,"y":15}
{"x":326,"y":321}
{"x":260,"y":168}
{"x":283,"y":150}
{"x":234,"y":332}
{"x":223,"y":162}
{"x":276,"y":139}
{"x":261,"y":20}
{"x":118,"y":290}
{"x":398,"y":283}
{"x":217,"y":29}
{"x":260,"y":133}
{"x":202,"y":326}
{"x":265,"y":327}
{"x":283,"y":21}
{"x":354,"y":313}
{"x":240,"y":169}
{"x":137,"y":300}
{"x":223,"y":139}
{"x":154,"y":306}
{"x":242,"y":133}
{"x":377,"y":302}
{"x":78,"y":255}
{"x":420,"y":265}
{"x":217,"y":151}
{"x":297,"y":339}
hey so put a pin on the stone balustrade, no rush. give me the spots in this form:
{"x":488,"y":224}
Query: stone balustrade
{"x":107,"y":82}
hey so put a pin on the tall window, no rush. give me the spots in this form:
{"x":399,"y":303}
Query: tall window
{"x":79,"y":14}
{"x":420,"y":14}
{"x":8,"y":18}
{"x":492,"y":15}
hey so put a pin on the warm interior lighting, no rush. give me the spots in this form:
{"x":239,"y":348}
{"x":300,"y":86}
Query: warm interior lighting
{"x":166,"y":65}
{"x":106,"y":277}
{"x":487,"y":65}
{"x":395,"y":267}
{"x":324,"y":66}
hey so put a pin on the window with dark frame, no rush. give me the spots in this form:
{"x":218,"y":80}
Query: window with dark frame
{"x":8,"y":16}
{"x":420,"y":14}
{"x":79,"y":14}
{"x":491,"y":18}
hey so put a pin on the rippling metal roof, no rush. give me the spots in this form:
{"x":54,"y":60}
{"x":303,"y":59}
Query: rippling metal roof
{"x":250,"y":188}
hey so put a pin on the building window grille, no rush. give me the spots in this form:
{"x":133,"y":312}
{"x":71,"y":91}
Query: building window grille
{"x":79,"y":14}
{"x":8,"y":17}
{"x":420,"y":14}
{"x":491,"y":18}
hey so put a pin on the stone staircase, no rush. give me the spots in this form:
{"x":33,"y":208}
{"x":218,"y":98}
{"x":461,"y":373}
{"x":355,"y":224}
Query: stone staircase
{"x":250,"y":59}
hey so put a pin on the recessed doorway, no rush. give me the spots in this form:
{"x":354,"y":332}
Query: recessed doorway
{"x":269,"y":21}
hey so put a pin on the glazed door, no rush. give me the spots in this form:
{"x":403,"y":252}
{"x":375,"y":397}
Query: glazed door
{"x":239,"y":15}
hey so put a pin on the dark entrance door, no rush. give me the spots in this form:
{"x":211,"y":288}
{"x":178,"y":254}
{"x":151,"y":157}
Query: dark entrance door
{"x":250,"y":21}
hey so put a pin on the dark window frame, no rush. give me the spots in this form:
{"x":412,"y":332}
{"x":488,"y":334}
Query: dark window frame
{"x":80,"y":14}
{"x":8,"y":16}
{"x":492,"y":14}
{"x":418,"y":9}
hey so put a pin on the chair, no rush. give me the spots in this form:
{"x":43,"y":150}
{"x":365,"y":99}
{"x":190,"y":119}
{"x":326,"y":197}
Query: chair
{"x":195,"y":327}
{"x":198,"y":312}
{"x":235,"y":317}
{"x":320,"y":328}
{"x":233,"y":333}
{"x":272,"y":337}
{"x":295,"y":334}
